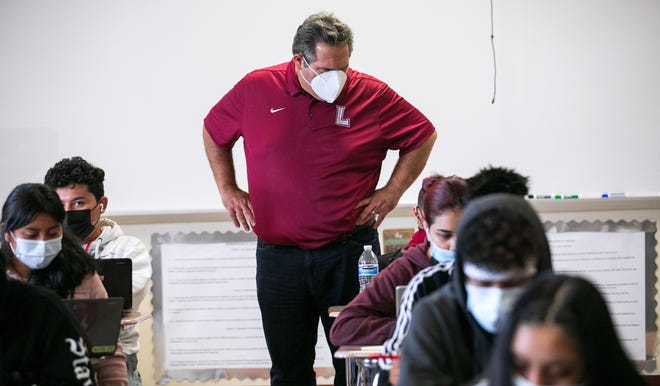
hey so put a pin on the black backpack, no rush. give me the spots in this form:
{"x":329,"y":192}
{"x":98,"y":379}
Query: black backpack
{"x":385,"y":259}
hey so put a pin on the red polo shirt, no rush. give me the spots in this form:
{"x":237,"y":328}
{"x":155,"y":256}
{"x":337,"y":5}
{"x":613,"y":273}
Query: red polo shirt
{"x":309,"y":162}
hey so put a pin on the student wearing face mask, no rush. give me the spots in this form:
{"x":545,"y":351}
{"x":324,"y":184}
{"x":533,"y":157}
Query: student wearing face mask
{"x":488,"y":180}
{"x":560,"y":333}
{"x":315,"y":133}
{"x":500,"y":246}
{"x":419,"y":236}
{"x":79,"y":185}
{"x":38,"y":251}
{"x":40,"y":343}
{"x":369,"y":318}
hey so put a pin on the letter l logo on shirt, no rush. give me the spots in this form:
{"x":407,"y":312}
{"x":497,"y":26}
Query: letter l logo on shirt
{"x":340,"y":120}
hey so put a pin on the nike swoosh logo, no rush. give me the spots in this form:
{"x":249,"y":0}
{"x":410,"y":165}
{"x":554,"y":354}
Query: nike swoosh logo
{"x":273,"y":111}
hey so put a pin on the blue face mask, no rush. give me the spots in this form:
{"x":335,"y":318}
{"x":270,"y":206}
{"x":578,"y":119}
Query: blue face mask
{"x":519,"y":380}
{"x":489,"y":305}
{"x":36,"y":253}
{"x":440,"y":255}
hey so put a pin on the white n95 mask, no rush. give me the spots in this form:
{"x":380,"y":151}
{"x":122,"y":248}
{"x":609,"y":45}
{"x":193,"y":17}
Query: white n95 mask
{"x":489,"y":305}
{"x":326,"y":85}
{"x":36,"y":253}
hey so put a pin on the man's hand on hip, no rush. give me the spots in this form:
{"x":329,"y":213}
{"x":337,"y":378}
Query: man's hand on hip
{"x":238,"y":205}
{"x":377,"y":206}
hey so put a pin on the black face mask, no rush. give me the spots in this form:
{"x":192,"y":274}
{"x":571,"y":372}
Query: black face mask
{"x":79,"y":222}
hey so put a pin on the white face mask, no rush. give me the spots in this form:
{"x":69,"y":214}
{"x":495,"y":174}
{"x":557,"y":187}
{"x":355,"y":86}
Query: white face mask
{"x":519,"y":380}
{"x":327,"y":85}
{"x":36,"y":253}
{"x":489,"y":305}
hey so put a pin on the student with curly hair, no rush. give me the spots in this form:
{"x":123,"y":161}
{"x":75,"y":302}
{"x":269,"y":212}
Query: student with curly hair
{"x":79,"y":185}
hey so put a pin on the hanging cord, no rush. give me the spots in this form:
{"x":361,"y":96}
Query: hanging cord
{"x":492,"y":44}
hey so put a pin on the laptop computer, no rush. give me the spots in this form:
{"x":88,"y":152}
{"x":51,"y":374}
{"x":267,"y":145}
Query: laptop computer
{"x":117,"y":276}
{"x":398,"y":294}
{"x":100,"y":319}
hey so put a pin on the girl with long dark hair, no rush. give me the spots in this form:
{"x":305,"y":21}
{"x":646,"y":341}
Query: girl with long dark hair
{"x":560,"y":333}
{"x":37,"y":251}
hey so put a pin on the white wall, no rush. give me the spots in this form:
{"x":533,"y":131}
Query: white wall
{"x":126,"y":84}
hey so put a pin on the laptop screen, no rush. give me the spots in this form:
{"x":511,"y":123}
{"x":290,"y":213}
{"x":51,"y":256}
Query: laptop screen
{"x":100,"y":319}
{"x":117,"y":276}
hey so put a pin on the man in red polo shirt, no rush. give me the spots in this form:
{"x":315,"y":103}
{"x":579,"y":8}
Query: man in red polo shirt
{"x":315,"y":133}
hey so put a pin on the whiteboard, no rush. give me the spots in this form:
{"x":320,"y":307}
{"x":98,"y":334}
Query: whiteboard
{"x":127,"y":83}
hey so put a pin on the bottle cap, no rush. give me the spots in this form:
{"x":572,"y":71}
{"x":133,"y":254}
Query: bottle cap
{"x":367,"y":247}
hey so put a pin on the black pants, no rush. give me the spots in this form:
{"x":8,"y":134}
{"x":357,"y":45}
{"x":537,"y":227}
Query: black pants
{"x":295,"y":287}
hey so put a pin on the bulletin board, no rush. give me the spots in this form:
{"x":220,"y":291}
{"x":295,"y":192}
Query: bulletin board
{"x":620,"y":258}
{"x":207,"y":324}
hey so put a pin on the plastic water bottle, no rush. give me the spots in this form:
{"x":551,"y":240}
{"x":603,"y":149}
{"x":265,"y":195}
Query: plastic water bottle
{"x":367,"y":267}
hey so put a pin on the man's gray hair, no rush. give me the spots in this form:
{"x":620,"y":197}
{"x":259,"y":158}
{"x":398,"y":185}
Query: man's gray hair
{"x":321,"y":27}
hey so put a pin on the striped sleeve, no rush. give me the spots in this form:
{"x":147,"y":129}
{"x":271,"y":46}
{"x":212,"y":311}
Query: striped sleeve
{"x":410,"y":296}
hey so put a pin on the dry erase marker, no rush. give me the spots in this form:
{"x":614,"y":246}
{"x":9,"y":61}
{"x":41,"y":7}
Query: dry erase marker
{"x":558,"y":196}
{"x":539,"y":196}
{"x":614,"y":195}
{"x":571,"y":196}
{"x":590,"y":196}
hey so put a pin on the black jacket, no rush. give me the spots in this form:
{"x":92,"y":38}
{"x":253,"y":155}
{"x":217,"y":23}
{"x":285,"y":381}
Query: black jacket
{"x":41,"y":344}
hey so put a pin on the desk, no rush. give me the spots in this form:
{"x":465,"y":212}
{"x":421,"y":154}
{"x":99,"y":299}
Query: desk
{"x":334,"y":311}
{"x":358,"y":351}
{"x":358,"y":357}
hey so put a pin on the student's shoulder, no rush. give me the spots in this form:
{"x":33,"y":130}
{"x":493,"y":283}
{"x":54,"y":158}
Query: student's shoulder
{"x":402,"y":258}
{"x":24,"y":298}
{"x":129,"y":241}
{"x":386,"y":259}
{"x":435,"y":312}
{"x":91,"y":287}
{"x":123,"y":246}
{"x":434,"y":279}
{"x":431,"y":278}
{"x":441,"y":300}
{"x":402,"y":264}
{"x":433,"y":270}
{"x":27,"y":294}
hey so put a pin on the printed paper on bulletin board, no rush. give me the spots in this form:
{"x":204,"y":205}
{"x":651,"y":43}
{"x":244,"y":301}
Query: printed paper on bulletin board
{"x":620,"y":257}
{"x":207,"y":324}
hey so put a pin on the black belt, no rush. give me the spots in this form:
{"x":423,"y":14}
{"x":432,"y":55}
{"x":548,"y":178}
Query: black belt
{"x":357,"y":230}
